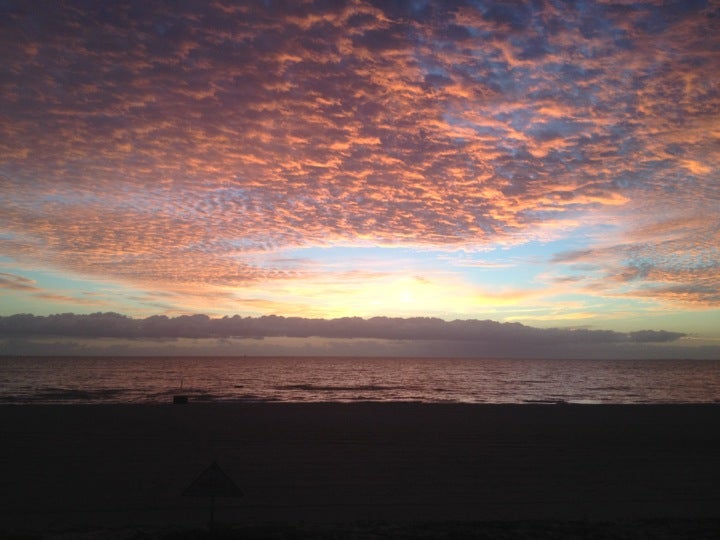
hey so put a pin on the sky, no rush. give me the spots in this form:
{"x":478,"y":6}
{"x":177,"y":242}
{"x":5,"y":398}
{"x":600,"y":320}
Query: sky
{"x":551,"y":166}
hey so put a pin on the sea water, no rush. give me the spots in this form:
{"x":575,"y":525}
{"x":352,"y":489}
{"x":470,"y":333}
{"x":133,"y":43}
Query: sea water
{"x":321,"y":379}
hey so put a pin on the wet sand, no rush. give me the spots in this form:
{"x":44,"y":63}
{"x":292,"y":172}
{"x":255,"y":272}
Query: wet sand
{"x":80,"y":467}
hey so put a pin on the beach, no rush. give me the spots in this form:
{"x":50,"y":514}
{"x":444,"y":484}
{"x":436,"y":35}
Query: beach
{"x":121,"y":466}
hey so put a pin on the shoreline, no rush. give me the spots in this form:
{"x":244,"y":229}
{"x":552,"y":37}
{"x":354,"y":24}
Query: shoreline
{"x":112,"y":465}
{"x":201,"y":401}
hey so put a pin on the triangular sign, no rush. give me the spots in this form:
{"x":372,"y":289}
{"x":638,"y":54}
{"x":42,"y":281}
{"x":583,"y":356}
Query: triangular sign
{"x":213,"y":482}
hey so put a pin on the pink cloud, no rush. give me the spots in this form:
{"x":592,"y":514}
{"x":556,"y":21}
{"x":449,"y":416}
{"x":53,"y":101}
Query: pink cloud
{"x":166,"y":146}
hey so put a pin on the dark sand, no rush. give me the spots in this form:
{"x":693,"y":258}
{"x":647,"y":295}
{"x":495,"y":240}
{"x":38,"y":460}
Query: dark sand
{"x":84,"y":467}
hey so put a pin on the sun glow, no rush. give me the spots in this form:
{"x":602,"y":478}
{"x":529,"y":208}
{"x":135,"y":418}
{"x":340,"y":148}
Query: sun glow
{"x":396,"y":294}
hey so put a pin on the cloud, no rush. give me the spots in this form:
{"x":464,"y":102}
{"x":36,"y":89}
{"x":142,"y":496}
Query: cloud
{"x":416,"y":328}
{"x":165,"y":147}
{"x":114,"y":334}
{"x":17,"y":283}
{"x":653,"y":336}
{"x":673,"y":261}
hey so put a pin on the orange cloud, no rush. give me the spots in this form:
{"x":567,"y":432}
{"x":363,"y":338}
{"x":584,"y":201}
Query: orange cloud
{"x":165,"y":148}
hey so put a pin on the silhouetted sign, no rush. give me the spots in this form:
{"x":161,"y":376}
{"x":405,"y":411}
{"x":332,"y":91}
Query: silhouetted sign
{"x":213,"y":482}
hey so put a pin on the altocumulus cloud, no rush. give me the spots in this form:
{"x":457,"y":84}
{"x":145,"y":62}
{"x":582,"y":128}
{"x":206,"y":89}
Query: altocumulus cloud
{"x":166,"y":143}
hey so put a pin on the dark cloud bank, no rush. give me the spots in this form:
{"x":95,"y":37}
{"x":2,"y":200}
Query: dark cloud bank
{"x":490,"y":334}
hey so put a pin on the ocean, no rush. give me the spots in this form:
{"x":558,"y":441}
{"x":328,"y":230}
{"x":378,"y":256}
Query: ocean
{"x":94,"y":380}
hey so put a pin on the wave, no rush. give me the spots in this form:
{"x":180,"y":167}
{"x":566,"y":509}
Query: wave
{"x":339,"y":388}
{"x":149,"y":381}
{"x":546,"y":401}
{"x":52,"y":394}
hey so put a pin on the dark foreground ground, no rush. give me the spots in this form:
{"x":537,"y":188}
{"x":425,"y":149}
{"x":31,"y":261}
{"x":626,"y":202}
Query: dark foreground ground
{"x":362,"y":471}
{"x":656,"y":529}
